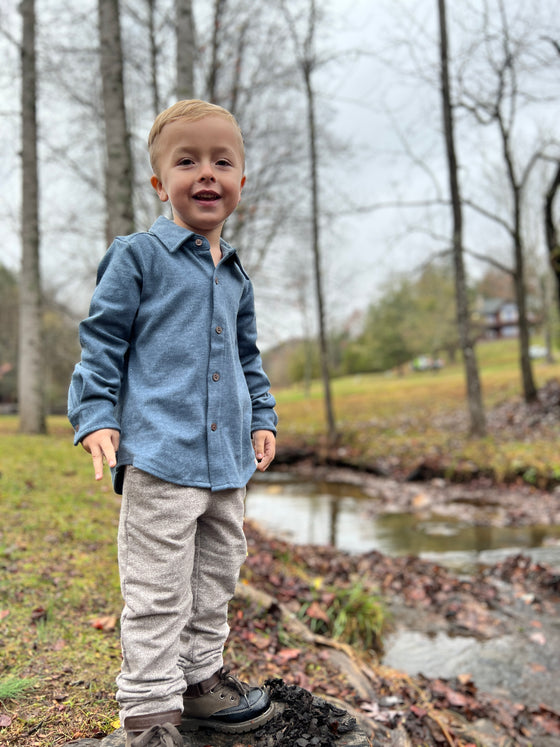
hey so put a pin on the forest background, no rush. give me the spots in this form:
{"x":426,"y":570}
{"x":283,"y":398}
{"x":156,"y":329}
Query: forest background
{"x":384,"y":223}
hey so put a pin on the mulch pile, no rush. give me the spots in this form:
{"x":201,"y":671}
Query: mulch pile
{"x":304,"y":720}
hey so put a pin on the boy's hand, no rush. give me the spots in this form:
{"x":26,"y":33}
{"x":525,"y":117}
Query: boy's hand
{"x":264,"y":444}
{"x":102,"y":443}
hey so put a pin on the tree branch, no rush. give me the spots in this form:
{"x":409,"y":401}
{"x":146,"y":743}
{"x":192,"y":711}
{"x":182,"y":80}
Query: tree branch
{"x":491,"y":216}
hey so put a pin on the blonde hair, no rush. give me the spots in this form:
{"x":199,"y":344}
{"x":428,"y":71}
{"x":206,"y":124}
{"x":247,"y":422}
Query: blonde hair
{"x":190,"y":110}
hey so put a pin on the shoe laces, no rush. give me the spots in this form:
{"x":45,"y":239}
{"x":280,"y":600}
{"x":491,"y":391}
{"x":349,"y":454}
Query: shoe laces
{"x":160,"y":735}
{"x":228,"y":680}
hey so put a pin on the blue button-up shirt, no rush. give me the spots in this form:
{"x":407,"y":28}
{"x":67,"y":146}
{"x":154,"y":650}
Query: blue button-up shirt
{"x":169,"y":358}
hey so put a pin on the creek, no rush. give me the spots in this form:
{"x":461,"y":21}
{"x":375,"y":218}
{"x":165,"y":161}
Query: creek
{"x":522,"y":666}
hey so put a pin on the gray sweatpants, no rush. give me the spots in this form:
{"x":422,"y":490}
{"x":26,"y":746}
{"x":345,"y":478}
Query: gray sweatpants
{"x":180,"y":551}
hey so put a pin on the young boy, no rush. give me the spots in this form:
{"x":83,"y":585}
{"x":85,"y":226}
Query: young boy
{"x":170,"y":391}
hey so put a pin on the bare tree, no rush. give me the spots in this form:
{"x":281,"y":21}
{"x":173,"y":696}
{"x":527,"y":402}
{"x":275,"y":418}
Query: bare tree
{"x":495,"y":96}
{"x":307,"y":63}
{"x":474,"y":395}
{"x":185,"y":33}
{"x":118,"y":166}
{"x":30,"y":370}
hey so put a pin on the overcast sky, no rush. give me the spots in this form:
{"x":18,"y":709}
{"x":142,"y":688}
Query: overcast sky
{"x":375,"y":101}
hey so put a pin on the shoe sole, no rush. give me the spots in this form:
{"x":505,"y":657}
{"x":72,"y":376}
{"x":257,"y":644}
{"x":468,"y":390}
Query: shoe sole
{"x":193,"y":724}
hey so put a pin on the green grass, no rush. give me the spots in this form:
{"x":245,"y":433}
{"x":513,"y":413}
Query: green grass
{"x":394,"y":419}
{"x":356,"y":615}
{"x":11,"y":687}
{"x":58,"y":572}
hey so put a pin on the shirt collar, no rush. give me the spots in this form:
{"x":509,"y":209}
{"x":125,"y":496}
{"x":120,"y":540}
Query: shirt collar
{"x":173,"y":236}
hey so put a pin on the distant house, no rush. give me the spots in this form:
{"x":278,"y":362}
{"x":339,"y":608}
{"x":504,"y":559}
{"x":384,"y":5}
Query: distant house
{"x":499,"y":319}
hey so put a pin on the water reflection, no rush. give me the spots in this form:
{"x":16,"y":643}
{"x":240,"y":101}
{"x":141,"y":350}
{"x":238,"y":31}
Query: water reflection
{"x":513,"y":666}
{"x":337,"y":514}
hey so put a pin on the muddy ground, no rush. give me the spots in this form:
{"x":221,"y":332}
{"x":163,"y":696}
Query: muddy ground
{"x":515,"y":601}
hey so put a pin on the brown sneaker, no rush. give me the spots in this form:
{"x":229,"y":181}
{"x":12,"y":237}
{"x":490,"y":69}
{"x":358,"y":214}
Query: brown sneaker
{"x":154,"y":730}
{"x":225,"y":704}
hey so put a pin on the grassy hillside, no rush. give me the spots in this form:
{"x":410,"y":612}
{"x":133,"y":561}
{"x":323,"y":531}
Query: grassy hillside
{"x":394,"y":420}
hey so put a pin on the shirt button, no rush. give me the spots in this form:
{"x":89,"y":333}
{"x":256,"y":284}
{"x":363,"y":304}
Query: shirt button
{"x":198,"y":242}
{"x":215,"y":377}
{"x":216,"y":281}
{"x":219,"y":330}
{"x":214,"y":427}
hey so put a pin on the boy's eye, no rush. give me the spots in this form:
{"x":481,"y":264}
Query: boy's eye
{"x":223,"y":162}
{"x":186,"y":162}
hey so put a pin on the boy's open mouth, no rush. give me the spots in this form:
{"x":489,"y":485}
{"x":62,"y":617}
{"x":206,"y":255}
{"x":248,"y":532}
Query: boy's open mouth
{"x":206,"y":196}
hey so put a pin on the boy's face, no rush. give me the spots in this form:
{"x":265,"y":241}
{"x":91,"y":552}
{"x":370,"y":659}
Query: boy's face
{"x":200,"y":167}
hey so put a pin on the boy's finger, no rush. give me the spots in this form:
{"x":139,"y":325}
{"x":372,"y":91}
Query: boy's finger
{"x":97,"y":458}
{"x":266,"y":460}
{"x":107,"y":450}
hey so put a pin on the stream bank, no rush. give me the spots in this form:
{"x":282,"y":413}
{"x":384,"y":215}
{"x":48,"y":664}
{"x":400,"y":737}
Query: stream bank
{"x":489,"y":632}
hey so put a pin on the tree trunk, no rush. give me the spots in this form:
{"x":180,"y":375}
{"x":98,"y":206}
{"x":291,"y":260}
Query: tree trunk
{"x":529,"y":386}
{"x":184,"y":21}
{"x":30,"y":369}
{"x":212,"y":77}
{"x":552,"y":240}
{"x":307,"y":67}
{"x":474,"y":395}
{"x":528,"y":382}
{"x":158,"y":205}
{"x":154,"y":85}
{"x":118,"y":167}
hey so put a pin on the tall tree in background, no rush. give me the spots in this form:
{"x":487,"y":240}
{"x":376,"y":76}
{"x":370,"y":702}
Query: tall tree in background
{"x":30,"y":373}
{"x":551,"y":231}
{"x":185,"y":33}
{"x":307,"y":63}
{"x":118,"y":166}
{"x":213,"y":68}
{"x":495,"y":99}
{"x":154,"y":84}
{"x":474,"y":395}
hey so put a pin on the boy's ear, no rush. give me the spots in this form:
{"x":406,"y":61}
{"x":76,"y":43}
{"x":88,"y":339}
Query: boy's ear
{"x":158,"y":186}
{"x":243,"y":180}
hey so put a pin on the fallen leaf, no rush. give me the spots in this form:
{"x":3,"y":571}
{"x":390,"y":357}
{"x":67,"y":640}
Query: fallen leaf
{"x":107,"y":622}
{"x":261,"y":642}
{"x":287,"y":654}
{"x":38,"y":614}
{"x":4,"y":613}
{"x":316,"y":613}
{"x":5,"y":720}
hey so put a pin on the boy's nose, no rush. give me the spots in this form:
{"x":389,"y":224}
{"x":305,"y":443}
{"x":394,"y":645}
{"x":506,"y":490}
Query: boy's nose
{"x":206,"y":172}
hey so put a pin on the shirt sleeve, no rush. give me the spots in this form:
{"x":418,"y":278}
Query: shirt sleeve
{"x":263,"y":414}
{"x":104,"y":339}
